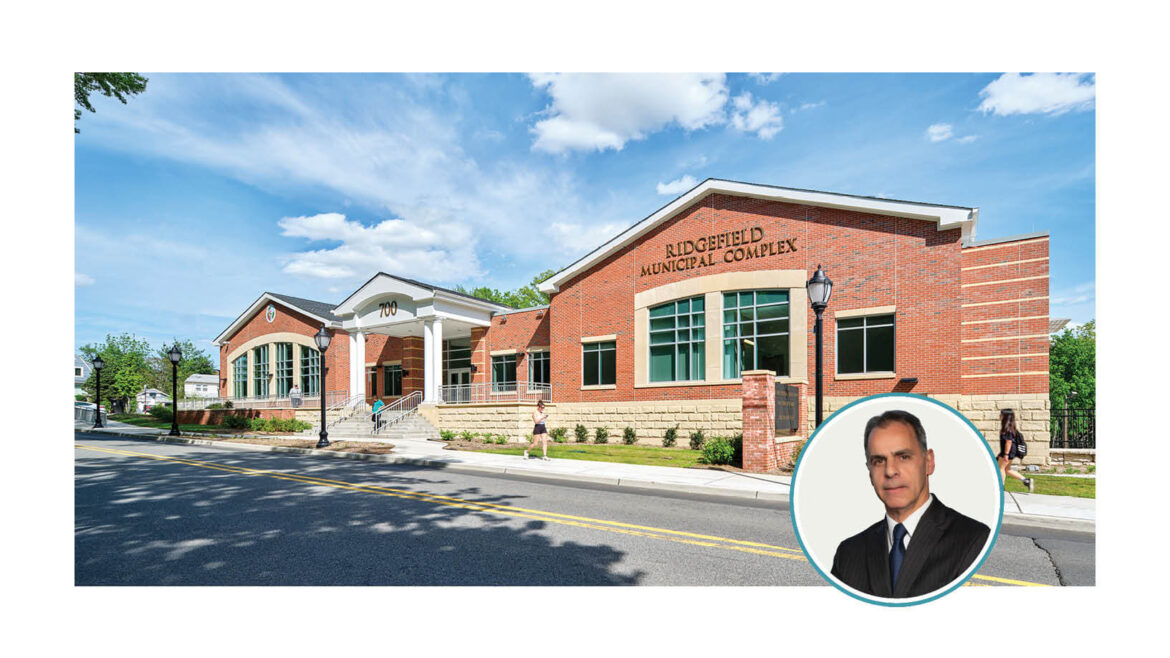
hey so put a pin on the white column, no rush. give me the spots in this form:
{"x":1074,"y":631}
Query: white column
{"x":428,"y":362}
{"x":438,"y":367}
{"x":361,"y":363}
{"x":353,"y":363}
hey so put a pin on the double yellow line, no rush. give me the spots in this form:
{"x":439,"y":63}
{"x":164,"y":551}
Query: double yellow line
{"x":665,"y":534}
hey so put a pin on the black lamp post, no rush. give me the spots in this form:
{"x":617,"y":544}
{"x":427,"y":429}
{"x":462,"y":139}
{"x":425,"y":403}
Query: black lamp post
{"x":322,"y":339}
{"x":176,"y":356}
{"x":819,"y":289}
{"x":97,"y":369}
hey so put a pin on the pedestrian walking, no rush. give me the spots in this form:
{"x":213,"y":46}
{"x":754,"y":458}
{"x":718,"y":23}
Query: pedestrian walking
{"x":539,"y":431}
{"x":376,"y":416}
{"x":1009,"y":439}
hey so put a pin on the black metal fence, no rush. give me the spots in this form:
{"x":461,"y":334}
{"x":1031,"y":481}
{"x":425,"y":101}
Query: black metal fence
{"x":1073,"y":428}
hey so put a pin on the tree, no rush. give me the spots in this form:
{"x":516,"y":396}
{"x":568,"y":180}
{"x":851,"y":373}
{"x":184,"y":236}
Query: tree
{"x":115,"y":85}
{"x":125,"y":369}
{"x":523,"y":297}
{"x":195,"y":362}
{"x":1072,"y":366}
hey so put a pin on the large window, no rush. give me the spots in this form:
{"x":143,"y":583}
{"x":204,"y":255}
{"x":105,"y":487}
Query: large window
{"x":392,"y":380}
{"x":372,"y":381}
{"x":240,"y":377}
{"x":310,"y":371}
{"x":677,"y":334}
{"x":284,"y":368}
{"x":755,"y":332}
{"x":260,"y":371}
{"x":865,"y":344}
{"x":538,"y":370}
{"x":456,"y":354}
{"x":504,"y":373}
{"x":599,"y":364}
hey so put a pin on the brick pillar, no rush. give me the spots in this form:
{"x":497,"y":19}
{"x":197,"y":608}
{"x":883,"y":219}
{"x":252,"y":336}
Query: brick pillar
{"x":479,"y":356}
{"x":759,"y":421}
{"x":412,"y":364}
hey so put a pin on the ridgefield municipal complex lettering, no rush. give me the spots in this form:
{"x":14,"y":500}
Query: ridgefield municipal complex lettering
{"x":730,"y":247}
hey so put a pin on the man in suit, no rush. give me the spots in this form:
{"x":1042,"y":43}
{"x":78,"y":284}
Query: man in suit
{"x":921,"y":545}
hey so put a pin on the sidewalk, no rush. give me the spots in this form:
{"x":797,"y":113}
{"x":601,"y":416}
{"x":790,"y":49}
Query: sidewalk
{"x":1019,"y":508}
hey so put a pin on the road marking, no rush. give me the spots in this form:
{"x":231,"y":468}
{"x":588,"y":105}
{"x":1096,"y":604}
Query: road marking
{"x":617,"y":527}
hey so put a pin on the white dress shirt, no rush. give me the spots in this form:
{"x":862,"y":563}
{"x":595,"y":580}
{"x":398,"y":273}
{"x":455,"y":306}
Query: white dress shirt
{"x":911,"y":524}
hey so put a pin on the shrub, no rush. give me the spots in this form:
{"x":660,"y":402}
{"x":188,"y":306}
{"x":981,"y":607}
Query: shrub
{"x":499,"y":439}
{"x":79,"y":398}
{"x":717,"y":450}
{"x":737,"y":445}
{"x":582,"y":433}
{"x":558,"y":434}
{"x":446,"y":435}
{"x":601,"y":435}
{"x":234,"y":422}
{"x":670,"y":437}
{"x":697,"y":439}
{"x":217,"y":405}
{"x":466,"y":435}
{"x":629,"y":437}
{"x":796,"y":453}
{"x":227,"y":404}
{"x":162,"y":413}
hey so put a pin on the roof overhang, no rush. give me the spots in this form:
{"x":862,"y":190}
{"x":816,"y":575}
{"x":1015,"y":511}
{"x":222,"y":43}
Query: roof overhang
{"x":256,"y":306}
{"x":945,"y":217}
{"x":382,"y":284}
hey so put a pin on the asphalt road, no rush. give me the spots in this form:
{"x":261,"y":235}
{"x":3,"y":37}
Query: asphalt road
{"x":159,"y":514}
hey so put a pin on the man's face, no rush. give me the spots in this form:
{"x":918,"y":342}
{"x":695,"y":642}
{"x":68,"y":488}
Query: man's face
{"x":898,"y":469}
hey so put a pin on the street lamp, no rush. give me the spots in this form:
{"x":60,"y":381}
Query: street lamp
{"x":322,"y":340}
{"x":176,"y":356}
{"x":819,"y":289}
{"x":98,"y":364}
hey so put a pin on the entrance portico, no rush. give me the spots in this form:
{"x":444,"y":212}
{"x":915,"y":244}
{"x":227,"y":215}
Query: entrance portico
{"x":419,"y":315}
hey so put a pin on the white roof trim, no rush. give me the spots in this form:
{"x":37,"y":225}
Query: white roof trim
{"x":946,"y":217}
{"x":266,"y":297}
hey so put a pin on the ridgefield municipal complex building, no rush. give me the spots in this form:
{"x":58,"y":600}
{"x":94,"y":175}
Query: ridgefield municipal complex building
{"x":653,"y":328}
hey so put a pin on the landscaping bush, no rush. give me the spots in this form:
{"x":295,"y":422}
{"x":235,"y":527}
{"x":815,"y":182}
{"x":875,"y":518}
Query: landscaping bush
{"x":466,"y":435}
{"x":670,"y":437}
{"x":79,"y":398}
{"x":217,"y":405}
{"x":629,"y":437}
{"x":582,"y":433}
{"x":234,"y":422}
{"x":796,"y":453}
{"x":227,"y":404}
{"x":446,"y":435}
{"x":718,"y":450}
{"x":737,"y":445}
{"x":601,"y":435}
{"x":162,"y":413}
{"x":278,"y":425}
{"x":502,"y":440}
{"x":697,"y":439}
{"x":558,"y":434}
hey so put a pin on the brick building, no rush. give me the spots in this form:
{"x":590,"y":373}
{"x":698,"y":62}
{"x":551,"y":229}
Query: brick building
{"x":655,"y":327}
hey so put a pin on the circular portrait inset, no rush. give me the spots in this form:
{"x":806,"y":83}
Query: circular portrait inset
{"x":896,"y":499}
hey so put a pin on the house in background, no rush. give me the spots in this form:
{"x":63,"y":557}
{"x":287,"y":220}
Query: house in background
{"x":201,"y":386}
{"x":81,"y":372}
{"x":151,"y":397}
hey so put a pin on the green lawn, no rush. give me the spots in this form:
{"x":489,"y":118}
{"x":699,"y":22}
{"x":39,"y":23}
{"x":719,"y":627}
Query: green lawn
{"x":151,"y":421}
{"x":1058,"y":486}
{"x":622,"y":454}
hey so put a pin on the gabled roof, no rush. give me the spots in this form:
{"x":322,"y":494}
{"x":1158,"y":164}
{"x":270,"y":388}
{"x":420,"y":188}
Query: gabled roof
{"x":429,"y":289}
{"x":946,"y":217}
{"x":1056,"y":324}
{"x":320,"y":311}
{"x":202,"y":379}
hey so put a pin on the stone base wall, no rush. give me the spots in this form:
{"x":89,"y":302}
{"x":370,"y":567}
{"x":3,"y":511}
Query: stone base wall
{"x":983,"y":411}
{"x":650,"y":420}
{"x":215,"y":416}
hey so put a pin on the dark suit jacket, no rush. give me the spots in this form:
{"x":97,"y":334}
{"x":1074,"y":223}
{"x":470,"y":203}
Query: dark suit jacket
{"x":944,"y":544}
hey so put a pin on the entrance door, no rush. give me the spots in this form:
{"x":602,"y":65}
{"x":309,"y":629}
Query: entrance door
{"x":458,"y":386}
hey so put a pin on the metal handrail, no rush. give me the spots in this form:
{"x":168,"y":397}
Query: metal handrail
{"x":262,"y":402}
{"x":347,"y":408}
{"x":496,"y":392}
{"x":390,"y":414}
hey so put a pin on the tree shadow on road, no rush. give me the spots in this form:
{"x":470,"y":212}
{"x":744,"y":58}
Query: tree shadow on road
{"x":146,"y":522}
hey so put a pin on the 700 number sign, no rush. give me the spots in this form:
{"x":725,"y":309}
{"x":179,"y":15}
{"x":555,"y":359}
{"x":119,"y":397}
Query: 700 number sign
{"x":386,"y":309}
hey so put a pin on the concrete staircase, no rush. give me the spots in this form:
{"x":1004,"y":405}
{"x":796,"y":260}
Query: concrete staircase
{"x":361,"y":428}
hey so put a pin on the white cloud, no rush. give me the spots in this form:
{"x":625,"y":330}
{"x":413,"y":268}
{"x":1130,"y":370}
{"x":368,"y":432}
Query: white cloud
{"x":967,"y":139}
{"x":1039,"y":93}
{"x":579,"y":238}
{"x":678,"y":186}
{"x":593,"y":111}
{"x":811,"y":106}
{"x":80,"y":279}
{"x":939,"y":131}
{"x":1079,"y":294}
{"x":391,"y":245}
{"x":762,"y":118}
{"x":765,"y":78}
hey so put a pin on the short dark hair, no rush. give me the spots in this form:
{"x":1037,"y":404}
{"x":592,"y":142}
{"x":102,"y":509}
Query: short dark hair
{"x":895,"y":416}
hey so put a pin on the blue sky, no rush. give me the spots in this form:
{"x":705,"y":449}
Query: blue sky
{"x":209,"y":189}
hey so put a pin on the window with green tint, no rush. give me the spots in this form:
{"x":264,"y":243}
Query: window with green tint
{"x":392,"y":380}
{"x":372,"y":381}
{"x":284,"y":368}
{"x":310,"y":371}
{"x":260,"y":371}
{"x":504,"y":373}
{"x":240,"y":377}
{"x":755,"y":332}
{"x":677,"y":336}
{"x":538,"y":375}
{"x":865,"y":344}
{"x":599,"y":364}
